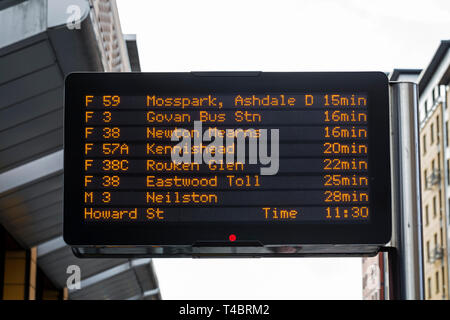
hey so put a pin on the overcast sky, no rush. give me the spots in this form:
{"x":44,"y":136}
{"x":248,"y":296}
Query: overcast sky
{"x":281,"y":35}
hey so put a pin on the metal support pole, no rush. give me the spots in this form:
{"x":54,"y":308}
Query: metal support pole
{"x":406,"y":253}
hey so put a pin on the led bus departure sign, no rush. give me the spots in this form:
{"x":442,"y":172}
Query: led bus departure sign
{"x":274,"y":159}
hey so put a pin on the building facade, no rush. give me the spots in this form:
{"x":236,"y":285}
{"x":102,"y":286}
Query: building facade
{"x":434,"y":116}
{"x":434,"y":122}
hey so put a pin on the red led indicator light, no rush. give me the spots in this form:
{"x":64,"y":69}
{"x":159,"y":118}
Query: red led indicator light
{"x":232,"y":237}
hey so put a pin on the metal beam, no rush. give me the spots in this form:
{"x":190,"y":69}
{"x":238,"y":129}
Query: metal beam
{"x":50,"y":246}
{"x":31,"y":171}
{"x":102,"y":276}
{"x":406,"y":256}
{"x":145,"y":294}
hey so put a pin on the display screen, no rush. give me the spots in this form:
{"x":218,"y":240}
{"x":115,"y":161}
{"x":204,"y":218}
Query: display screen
{"x":229,"y":155}
{"x":322,"y":171}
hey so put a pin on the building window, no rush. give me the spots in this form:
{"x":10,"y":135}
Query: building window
{"x":426,"y":108}
{"x":428,"y":250}
{"x":434,"y":207}
{"x":424,"y":144}
{"x":429,"y":288}
{"x":446,"y":133}
{"x":432,"y":133}
{"x":437,"y":129}
{"x":448,"y":172}
{"x":439,"y":161}
{"x":444,"y":93}
{"x":427,"y":220}
{"x":437,"y":282}
{"x":440,"y":201}
{"x":425,"y":173}
{"x":443,"y":281}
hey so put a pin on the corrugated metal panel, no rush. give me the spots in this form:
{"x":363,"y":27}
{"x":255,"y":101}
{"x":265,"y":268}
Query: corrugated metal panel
{"x":31,"y":129}
{"x":30,"y":109}
{"x":32,"y":58}
{"x":30,"y":85}
{"x":31,"y":104}
{"x":32,"y":213}
{"x":31,"y":149}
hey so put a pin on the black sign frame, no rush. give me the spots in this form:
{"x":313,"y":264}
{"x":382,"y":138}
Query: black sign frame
{"x":376,"y":232}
